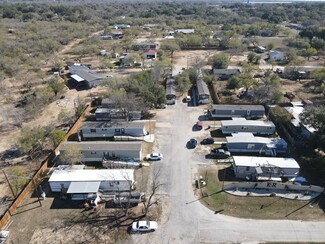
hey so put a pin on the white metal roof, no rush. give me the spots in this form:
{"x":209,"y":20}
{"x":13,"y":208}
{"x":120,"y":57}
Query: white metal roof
{"x":243,"y":137}
{"x":103,"y":145}
{"x":295,"y":111}
{"x":77,"y":78}
{"x":94,"y":175}
{"x":245,"y":122}
{"x":83,"y":187}
{"x":265,"y":162}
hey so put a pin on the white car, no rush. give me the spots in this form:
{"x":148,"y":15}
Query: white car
{"x":188,"y":98}
{"x":144,"y":226}
{"x":154,"y":156}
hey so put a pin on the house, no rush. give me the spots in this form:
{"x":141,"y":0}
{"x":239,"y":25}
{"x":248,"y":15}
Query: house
{"x":83,"y":184}
{"x":298,"y":129}
{"x":233,"y":111}
{"x":170,"y":91}
{"x":248,"y":143}
{"x":97,"y":151}
{"x":149,"y":54}
{"x":276,"y":55}
{"x":105,"y":130}
{"x":185,"y":31}
{"x":265,"y":168}
{"x":236,"y":125}
{"x":225,"y":74}
{"x":82,"y":75}
{"x":203,"y":92}
{"x":145,"y":46}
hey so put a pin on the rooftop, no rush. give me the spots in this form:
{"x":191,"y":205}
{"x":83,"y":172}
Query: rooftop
{"x":113,"y":124}
{"x":245,"y":122}
{"x":265,"y":162}
{"x":237,"y":107}
{"x":244,"y":137}
{"x":104,"y":145}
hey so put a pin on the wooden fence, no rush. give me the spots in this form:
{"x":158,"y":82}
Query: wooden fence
{"x":32,"y":183}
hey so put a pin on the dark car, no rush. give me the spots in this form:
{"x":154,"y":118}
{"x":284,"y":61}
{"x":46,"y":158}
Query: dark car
{"x":218,"y":153}
{"x":199,"y":125}
{"x":207,"y":141}
{"x":192,"y":143}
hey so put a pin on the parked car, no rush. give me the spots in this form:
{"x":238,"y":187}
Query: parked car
{"x":144,"y":226}
{"x":192,"y":143}
{"x":199,"y":125}
{"x":207,"y":141}
{"x":154,"y":156}
{"x":219,"y":153}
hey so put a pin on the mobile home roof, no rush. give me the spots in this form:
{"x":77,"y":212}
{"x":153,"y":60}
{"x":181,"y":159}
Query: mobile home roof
{"x":92,"y":175}
{"x":238,"y":107}
{"x":245,"y":122}
{"x":135,"y":124}
{"x":103,"y":145}
{"x":265,"y":162}
{"x":244,"y":137}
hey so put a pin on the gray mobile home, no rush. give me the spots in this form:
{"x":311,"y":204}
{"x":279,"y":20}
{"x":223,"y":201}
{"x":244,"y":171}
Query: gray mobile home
{"x":248,"y":143}
{"x":202,"y":90}
{"x":89,"y":182}
{"x":104,"y":130}
{"x":108,"y":114}
{"x":97,"y":151}
{"x":265,"y":168}
{"x":170,"y":91}
{"x":261,"y":127}
{"x":236,"y":111}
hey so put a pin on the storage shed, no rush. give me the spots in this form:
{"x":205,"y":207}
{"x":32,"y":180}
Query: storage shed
{"x":233,"y":111}
{"x":96,"y":151}
{"x":84,"y":183}
{"x":236,"y":125}
{"x":264,"y":168}
{"x":104,"y":130}
{"x":248,"y":143}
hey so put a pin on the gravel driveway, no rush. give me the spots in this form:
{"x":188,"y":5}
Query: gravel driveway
{"x":184,"y":219}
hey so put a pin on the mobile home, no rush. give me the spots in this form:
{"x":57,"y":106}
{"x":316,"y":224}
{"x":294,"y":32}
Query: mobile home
{"x":236,"y":111}
{"x":97,"y":151}
{"x":83,"y":183}
{"x":248,"y":143}
{"x":105,"y":130}
{"x":236,"y":125}
{"x":264,"y":168}
{"x":202,"y":90}
{"x":170,"y":91}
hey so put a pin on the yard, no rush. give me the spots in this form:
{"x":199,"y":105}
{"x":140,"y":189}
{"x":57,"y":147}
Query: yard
{"x":252,"y":207}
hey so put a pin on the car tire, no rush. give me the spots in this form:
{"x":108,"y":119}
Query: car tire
{"x":152,"y":231}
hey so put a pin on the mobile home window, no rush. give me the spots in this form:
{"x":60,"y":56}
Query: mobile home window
{"x":250,"y":146}
{"x":93,"y":130}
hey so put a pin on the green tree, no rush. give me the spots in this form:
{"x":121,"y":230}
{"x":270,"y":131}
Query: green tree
{"x":56,"y":85}
{"x":183,"y":82}
{"x":280,"y":115}
{"x":219,"y":61}
{"x":31,"y":141}
{"x":307,"y":53}
{"x":18,"y":178}
{"x":171,"y":47}
{"x":56,"y":136}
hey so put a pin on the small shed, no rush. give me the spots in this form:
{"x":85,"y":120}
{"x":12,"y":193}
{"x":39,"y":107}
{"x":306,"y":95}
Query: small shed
{"x":150,"y":54}
{"x":97,"y":151}
{"x":248,"y":143}
{"x":264,"y":168}
{"x":262,"y":127}
{"x":239,"y":111}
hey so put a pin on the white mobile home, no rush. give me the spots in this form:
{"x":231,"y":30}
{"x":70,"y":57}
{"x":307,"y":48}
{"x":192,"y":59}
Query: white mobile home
{"x":105,"y":130}
{"x":265,"y":168}
{"x":236,"y":111}
{"x":83,"y":184}
{"x":236,"y":125}
{"x":248,"y":143}
{"x":97,"y":151}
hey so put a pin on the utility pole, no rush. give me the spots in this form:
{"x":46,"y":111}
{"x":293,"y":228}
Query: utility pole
{"x":12,"y":191}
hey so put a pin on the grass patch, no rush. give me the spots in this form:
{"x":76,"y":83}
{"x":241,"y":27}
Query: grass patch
{"x":254,"y":207}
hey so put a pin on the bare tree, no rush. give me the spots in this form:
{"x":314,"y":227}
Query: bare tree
{"x":154,"y":186}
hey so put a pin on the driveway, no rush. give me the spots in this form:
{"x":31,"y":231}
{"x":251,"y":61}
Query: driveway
{"x":184,"y":219}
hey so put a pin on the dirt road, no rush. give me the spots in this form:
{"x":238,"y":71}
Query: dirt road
{"x":185,"y":220}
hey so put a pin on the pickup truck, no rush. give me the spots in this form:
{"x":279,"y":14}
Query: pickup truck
{"x":219,"y":153}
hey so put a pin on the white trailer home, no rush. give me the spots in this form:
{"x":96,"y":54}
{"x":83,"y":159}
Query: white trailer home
{"x":265,"y":168}
{"x":248,"y":143}
{"x":257,"y":127}
{"x":106,"y":130}
{"x":236,"y":111}
{"x":84,"y":184}
{"x":97,"y":151}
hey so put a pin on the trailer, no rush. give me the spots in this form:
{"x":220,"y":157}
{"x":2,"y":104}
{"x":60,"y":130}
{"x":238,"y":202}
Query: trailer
{"x":170,"y":91}
{"x":236,"y":111}
{"x":256,"y":127}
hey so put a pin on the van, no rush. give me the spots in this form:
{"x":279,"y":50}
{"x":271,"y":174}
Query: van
{"x":188,"y":98}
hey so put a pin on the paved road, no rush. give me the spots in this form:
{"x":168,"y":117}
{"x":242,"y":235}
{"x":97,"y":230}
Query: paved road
{"x":185,"y":220}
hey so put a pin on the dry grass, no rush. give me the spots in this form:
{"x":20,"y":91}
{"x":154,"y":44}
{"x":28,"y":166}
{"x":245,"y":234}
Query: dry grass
{"x":254,"y":207}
